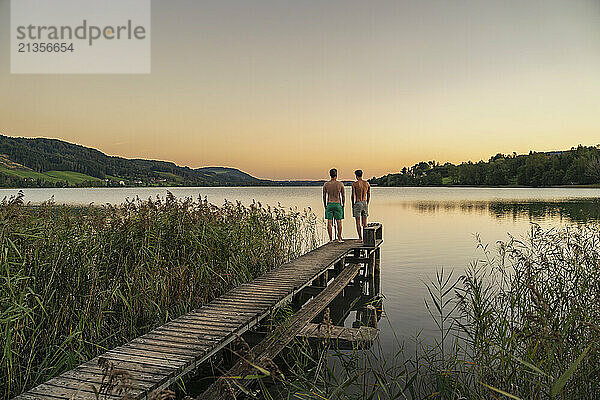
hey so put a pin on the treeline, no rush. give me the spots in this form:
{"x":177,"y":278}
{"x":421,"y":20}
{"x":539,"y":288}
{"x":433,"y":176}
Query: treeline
{"x":578,"y":166}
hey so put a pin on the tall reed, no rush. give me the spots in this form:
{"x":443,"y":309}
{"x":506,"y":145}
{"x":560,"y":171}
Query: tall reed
{"x":79,"y":280}
{"x":530,"y":317}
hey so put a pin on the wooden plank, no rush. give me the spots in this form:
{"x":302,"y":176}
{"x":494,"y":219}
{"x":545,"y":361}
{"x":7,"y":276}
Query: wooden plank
{"x":275,"y":291}
{"x":189,"y":326}
{"x":185,"y":340}
{"x":221,"y":313}
{"x":139,"y":351}
{"x":214,"y":320}
{"x":250,"y":292}
{"x":205,"y":326}
{"x":250,"y":299}
{"x":245,"y":303}
{"x":169,"y":344}
{"x":151,"y":378}
{"x":45,"y":389}
{"x":79,"y":387}
{"x":239,"y":309}
{"x":217,"y":322}
{"x":274,"y":343}
{"x":194,"y":329}
{"x":165,"y":365}
{"x":97,"y":379}
{"x":164,"y":348}
{"x":258,"y":292}
{"x":28,"y":396}
{"x":202,"y":338}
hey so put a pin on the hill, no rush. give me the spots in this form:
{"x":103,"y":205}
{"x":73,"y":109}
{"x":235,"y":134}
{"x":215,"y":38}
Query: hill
{"x":231,"y":174}
{"x":41,"y":162}
{"x":578,"y":166}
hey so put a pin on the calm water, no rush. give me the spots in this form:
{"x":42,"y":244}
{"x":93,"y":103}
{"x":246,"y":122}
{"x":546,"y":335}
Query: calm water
{"x":424,"y":228}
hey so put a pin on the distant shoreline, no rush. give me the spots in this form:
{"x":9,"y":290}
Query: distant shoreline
{"x":317,"y":184}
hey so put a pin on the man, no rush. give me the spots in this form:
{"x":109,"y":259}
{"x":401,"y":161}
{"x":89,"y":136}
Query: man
{"x":333,"y":200}
{"x":361,"y":195}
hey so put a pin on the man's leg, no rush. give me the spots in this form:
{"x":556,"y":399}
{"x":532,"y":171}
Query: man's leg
{"x":330,"y":229}
{"x":364,"y":221}
{"x":358,"y":228}
{"x":339,"y":230}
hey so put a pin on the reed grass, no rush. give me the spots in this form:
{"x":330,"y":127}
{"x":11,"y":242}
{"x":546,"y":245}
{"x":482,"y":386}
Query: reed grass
{"x":76,"y":281}
{"x":529,"y":317}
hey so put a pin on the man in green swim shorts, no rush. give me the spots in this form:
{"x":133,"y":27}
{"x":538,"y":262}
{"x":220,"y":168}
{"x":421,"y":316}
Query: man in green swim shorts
{"x":333,"y":200}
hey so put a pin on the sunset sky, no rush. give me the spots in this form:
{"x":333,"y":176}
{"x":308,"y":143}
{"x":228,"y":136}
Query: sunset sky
{"x":289,"y":89}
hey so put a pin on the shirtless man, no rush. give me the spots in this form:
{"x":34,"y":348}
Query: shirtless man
{"x":333,"y":200}
{"x":361,"y":195}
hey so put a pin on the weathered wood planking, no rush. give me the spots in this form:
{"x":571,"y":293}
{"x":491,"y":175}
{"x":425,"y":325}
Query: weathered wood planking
{"x":268,"y":348}
{"x":156,"y":360}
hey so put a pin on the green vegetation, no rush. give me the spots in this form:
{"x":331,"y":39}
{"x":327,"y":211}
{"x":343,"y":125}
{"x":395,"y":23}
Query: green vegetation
{"x":28,"y":178}
{"x":578,"y":166}
{"x":72,"y":177}
{"x":76,"y":281}
{"x":528,"y":318}
{"x":28,"y":174}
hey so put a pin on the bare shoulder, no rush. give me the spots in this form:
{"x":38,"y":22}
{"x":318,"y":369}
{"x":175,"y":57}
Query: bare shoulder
{"x":355,"y":184}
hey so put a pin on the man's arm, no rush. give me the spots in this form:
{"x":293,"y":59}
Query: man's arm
{"x":324,"y":197}
{"x":353,"y":198}
{"x":368,"y":192}
{"x":342,"y":194}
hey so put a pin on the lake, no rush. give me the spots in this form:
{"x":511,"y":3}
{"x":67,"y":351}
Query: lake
{"x":425,"y":229}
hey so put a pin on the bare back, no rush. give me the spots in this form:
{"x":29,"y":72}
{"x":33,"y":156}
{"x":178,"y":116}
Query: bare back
{"x":361,"y":190}
{"x":333,"y":190}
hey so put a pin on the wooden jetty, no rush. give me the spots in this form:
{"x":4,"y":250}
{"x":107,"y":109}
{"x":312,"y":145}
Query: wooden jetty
{"x":158,"y":359}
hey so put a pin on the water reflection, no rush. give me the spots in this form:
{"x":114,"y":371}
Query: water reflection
{"x":361,"y":299}
{"x":576,"y":211}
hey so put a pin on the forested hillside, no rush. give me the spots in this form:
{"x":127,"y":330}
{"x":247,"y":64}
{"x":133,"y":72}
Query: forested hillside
{"x":50,"y":162}
{"x":578,"y":166}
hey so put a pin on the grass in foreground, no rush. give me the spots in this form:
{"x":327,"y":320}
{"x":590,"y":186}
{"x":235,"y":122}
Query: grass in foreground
{"x":76,"y":281}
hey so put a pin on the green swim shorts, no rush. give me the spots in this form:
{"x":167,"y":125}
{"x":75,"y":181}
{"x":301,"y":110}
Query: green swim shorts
{"x":334,"y":211}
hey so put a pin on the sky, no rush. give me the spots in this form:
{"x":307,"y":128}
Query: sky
{"x":288,"y":89}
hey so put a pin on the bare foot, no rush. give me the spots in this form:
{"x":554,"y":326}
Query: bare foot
{"x":340,"y":241}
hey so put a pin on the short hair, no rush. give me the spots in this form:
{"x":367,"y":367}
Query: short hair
{"x":358,"y":173}
{"x":333,"y":172}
